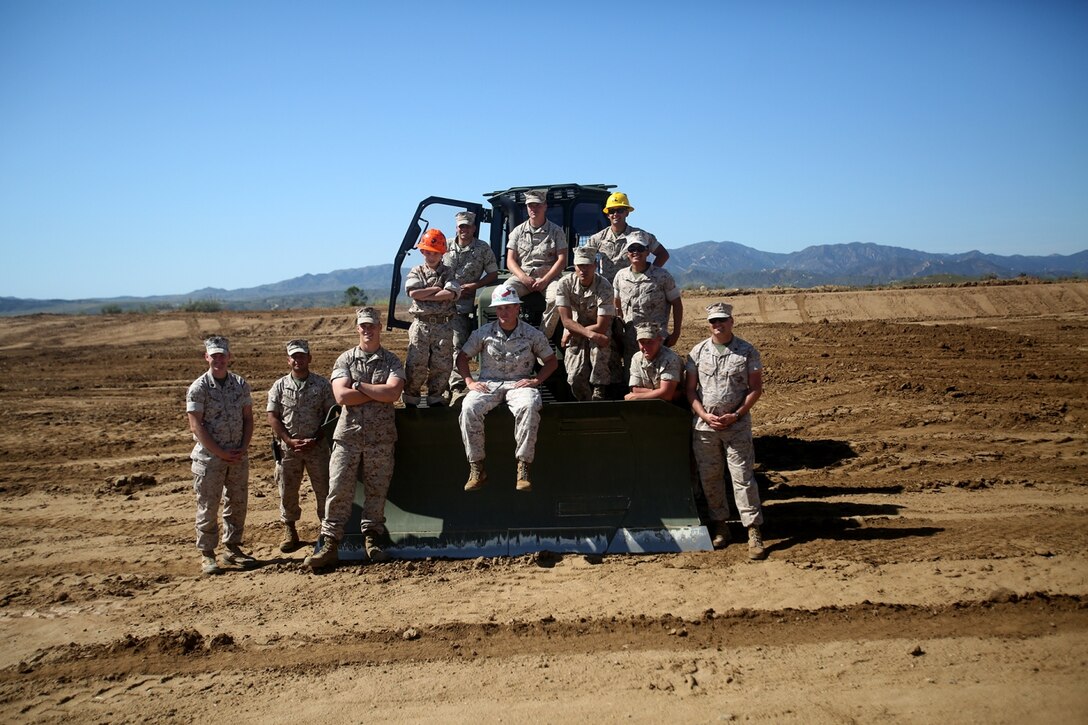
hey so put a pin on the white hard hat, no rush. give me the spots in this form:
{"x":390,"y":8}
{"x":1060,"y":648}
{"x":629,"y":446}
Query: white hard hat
{"x":503,"y":295}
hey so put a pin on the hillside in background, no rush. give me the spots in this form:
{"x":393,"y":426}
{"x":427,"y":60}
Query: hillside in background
{"x":728,"y":264}
{"x":710,"y":264}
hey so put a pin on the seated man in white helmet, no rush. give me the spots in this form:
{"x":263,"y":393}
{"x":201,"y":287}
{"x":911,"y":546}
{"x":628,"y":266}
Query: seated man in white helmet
{"x":508,"y":349}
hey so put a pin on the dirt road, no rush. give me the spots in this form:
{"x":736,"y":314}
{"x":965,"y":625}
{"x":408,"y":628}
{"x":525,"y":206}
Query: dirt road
{"x":922,"y":455}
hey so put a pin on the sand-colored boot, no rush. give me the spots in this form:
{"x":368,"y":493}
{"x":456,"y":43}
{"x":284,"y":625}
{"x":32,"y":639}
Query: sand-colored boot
{"x":755,"y":544}
{"x":372,"y":543}
{"x":525,"y":482}
{"x":720,"y":533}
{"x":290,"y":540}
{"x":327,"y":554}
{"x":208,"y":563}
{"x":477,"y":476}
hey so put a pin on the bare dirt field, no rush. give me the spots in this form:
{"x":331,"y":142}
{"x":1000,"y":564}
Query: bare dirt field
{"x":922,"y":455}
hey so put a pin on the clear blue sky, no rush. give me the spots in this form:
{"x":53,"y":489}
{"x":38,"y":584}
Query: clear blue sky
{"x":161,"y":147}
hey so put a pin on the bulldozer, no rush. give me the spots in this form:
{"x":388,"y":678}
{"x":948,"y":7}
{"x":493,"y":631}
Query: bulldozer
{"x":609,"y":476}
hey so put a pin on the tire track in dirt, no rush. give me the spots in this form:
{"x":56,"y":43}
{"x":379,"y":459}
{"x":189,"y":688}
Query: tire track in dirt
{"x":187,"y":651}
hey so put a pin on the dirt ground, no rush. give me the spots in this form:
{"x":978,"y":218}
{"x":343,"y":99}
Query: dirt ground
{"x":922,"y":456}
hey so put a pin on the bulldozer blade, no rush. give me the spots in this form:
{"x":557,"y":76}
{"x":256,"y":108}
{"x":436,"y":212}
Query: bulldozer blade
{"x":608,"y":478}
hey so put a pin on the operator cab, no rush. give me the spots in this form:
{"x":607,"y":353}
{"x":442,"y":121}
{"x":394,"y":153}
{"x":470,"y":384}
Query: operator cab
{"x":578,"y":208}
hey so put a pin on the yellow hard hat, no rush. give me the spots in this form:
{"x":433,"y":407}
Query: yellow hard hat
{"x":618,"y":200}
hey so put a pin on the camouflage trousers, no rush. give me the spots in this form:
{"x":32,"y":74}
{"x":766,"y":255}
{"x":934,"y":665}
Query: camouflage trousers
{"x":289,"y":478}
{"x":524,"y":403}
{"x":462,"y":328}
{"x":429,"y":360}
{"x":217,"y":481}
{"x":351,"y":461}
{"x":550,"y":319}
{"x":733,"y":447}
{"x":587,"y":365}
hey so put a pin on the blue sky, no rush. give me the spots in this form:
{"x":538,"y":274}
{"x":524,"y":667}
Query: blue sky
{"x":161,"y":147}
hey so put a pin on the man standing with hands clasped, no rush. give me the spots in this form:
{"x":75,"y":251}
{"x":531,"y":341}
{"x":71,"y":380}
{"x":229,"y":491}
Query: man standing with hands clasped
{"x":297,"y":405}
{"x":219,"y":406}
{"x":724,"y":381}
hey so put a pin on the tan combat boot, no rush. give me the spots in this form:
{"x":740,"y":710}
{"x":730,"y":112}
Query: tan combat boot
{"x":290,"y":538}
{"x":525,"y":483}
{"x":720,"y":533}
{"x":327,"y":554}
{"x":236,"y":556}
{"x":755,"y":544}
{"x":373,"y":545}
{"x":477,"y":476}
{"x":208,"y":563}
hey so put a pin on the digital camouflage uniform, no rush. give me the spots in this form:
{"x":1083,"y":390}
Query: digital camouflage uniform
{"x":722,"y":388}
{"x":649,"y":373}
{"x":469,"y":263}
{"x":536,"y":250}
{"x":644,"y":297}
{"x":430,"y":337}
{"x":213,"y":478}
{"x":613,"y":249}
{"x":302,"y":406}
{"x":362,"y":444}
{"x":587,"y":364}
{"x":506,"y":359}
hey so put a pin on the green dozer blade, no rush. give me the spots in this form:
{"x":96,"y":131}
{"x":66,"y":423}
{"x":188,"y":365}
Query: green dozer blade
{"x":609,"y":477}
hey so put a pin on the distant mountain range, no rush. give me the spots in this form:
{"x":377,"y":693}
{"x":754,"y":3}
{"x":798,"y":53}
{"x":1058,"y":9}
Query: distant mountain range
{"x":728,"y":264}
{"x":710,"y":264}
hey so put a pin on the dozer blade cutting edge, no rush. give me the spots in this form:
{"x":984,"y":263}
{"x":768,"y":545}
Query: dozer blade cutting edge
{"x":608,"y":478}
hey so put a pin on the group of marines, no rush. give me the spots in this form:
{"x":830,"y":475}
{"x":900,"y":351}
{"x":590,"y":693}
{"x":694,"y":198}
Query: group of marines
{"x":614,"y":308}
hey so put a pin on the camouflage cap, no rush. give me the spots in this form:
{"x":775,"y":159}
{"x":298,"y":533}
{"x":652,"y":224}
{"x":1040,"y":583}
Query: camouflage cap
{"x":465,"y":217}
{"x":298,"y":346}
{"x":216,"y":344}
{"x":367,"y":314}
{"x":647,"y":330}
{"x":585,"y":255}
{"x":718,"y":311}
{"x":636,"y":239}
{"x":536,"y":196}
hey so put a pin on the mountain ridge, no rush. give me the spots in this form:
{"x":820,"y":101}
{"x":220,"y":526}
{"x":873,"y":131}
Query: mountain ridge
{"x":722,"y":264}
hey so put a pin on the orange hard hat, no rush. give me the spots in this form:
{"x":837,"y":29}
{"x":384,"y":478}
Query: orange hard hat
{"x":433,"y":241}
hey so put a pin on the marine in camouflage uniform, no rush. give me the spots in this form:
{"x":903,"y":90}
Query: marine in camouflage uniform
{"x":474,"y":266}
{"x":508,"y":349}
{"x":725,"y":379}
{"x":366,"y":380}
{"x":536,"y":255}
{"x":656,"y":371}
{"x":430,"y":337}
{"x":219,"y":407}
{"x":611,"y":242}
{"x":645,"y":294}
{"x":586,"y":306}
{"x":297,"y":406}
